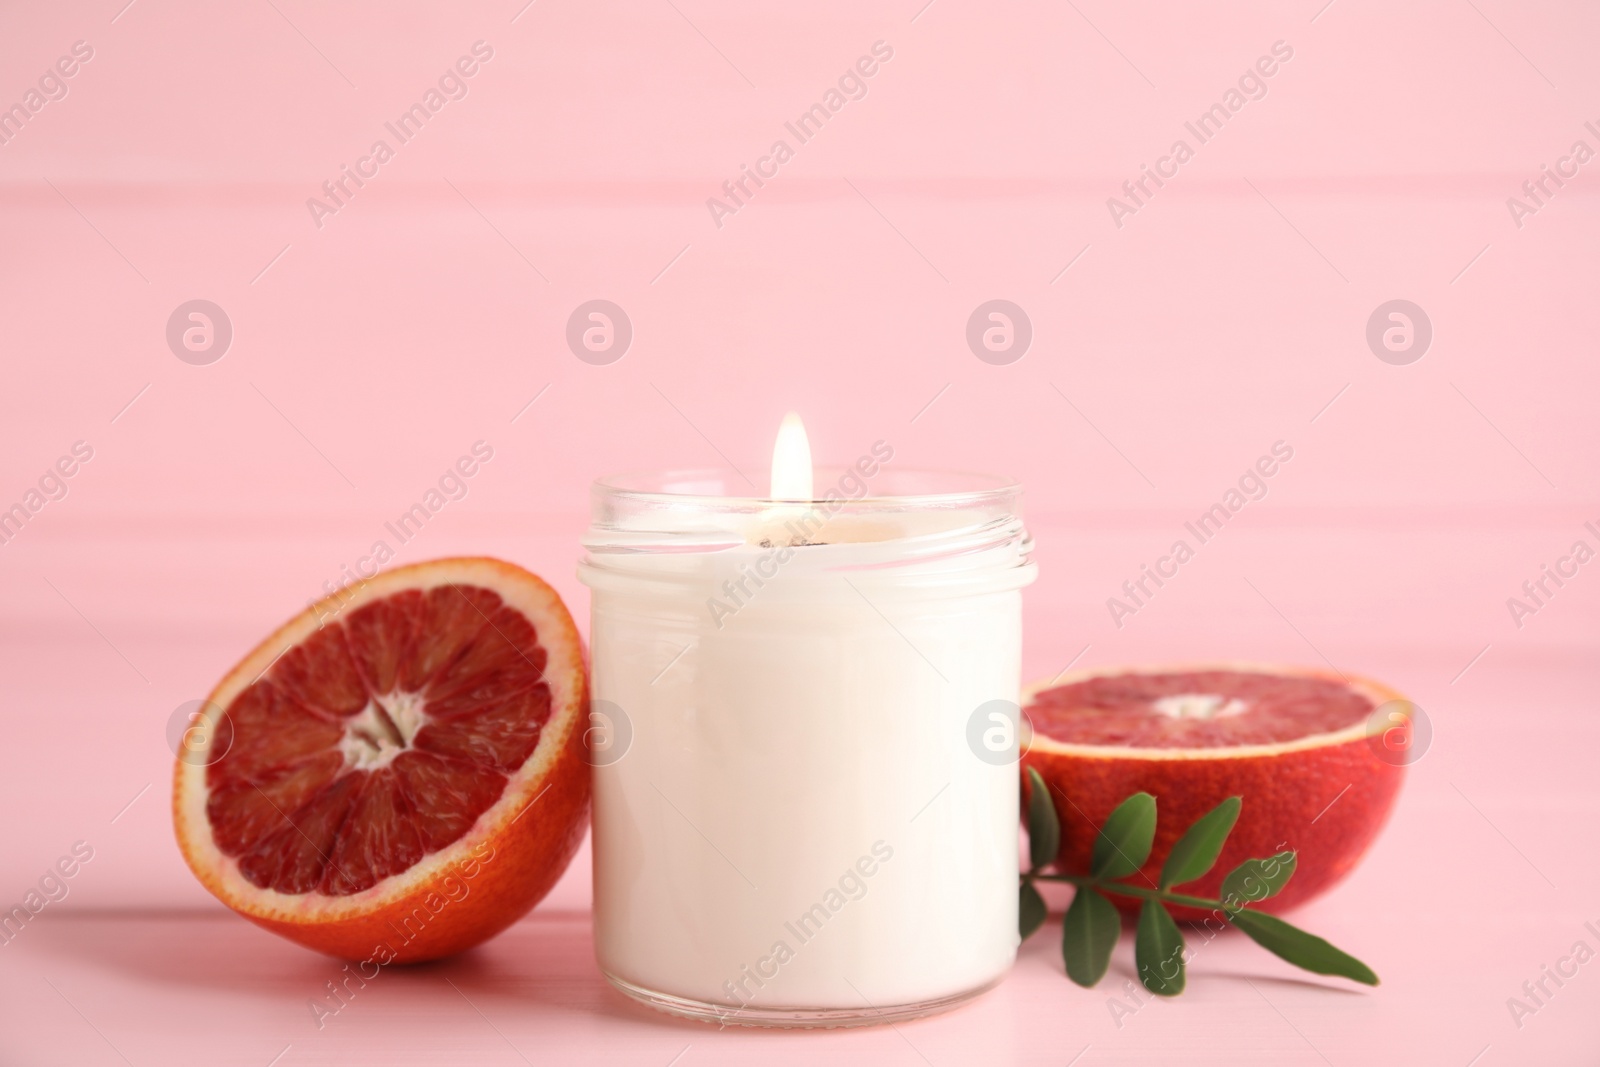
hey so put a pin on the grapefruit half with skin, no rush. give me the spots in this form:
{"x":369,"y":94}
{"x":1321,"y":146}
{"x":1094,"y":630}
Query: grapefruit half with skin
{"x":1294,"y":743}
{"x":404,"y":775}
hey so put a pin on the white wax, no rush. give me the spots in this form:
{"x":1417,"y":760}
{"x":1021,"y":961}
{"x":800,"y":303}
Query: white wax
{"x":806,"y":758}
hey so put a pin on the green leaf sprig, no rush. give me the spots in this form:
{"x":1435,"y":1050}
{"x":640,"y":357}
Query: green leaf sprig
{"x":1090,"y":929}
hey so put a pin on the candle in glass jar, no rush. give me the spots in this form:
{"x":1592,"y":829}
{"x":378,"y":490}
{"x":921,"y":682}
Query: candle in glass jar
{"x":793,"y":821}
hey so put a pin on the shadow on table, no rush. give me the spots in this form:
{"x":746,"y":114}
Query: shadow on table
{"x":1121,"y":976}
{"x":1336,"y":986}
{"x":543,"y":965}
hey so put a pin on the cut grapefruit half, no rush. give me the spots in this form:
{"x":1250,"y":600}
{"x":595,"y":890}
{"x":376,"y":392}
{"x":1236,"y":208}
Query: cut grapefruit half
{"x":1297,"y":745}
{"x":405,"y":775}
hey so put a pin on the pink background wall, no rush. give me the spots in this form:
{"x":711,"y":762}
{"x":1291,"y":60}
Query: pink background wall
{"x":1227,"y":314}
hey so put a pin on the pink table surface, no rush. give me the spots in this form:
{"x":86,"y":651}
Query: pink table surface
{"x":1168,"y":353}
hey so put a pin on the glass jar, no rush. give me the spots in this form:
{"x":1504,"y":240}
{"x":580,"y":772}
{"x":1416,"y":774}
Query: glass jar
{"x":803,"y":811}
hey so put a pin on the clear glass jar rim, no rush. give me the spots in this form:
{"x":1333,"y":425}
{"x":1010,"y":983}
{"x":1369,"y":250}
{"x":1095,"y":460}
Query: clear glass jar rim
{"x":918,"y":487}
{"x":948,"y":531}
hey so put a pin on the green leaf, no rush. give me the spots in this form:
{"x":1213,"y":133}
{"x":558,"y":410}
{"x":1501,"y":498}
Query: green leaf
{"x":1030,"y":910}
{"x":1196,"y":851}
{"x":1124,"y":841}
{"x":1300,"y":948}
{"x":1044,"y":828}
{"x":1255,"y":880}
{"x":1088,"y":934}
{"x":1158,"y":950}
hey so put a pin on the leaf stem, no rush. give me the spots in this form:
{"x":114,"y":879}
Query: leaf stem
{"x":1120,"y":889}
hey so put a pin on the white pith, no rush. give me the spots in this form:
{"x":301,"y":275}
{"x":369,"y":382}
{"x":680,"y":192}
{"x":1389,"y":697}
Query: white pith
{"x":369,"y":743}
{"x":1205,"y":706}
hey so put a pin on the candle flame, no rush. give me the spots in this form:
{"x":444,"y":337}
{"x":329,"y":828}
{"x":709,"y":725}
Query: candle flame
{"x":791,"y":461}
